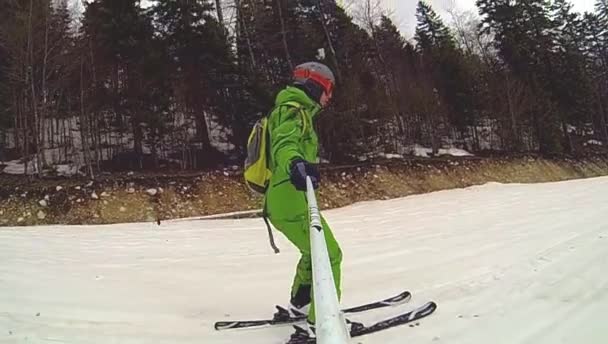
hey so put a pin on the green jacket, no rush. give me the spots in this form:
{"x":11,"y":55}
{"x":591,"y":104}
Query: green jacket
{"x":292,"y":135}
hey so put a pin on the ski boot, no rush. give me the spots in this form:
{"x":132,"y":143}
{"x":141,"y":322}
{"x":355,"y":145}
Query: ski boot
{"x":308,"y":332}
{"x":298,"y":307}
{"x":291,"y":311}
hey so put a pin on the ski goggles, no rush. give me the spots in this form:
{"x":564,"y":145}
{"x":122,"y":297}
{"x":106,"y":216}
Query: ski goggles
{"x":327,"y":84}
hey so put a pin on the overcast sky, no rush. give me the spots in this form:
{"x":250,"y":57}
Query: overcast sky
{"x":405,"y":10}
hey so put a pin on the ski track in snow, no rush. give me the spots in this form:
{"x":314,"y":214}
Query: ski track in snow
{"x":505,"y":263}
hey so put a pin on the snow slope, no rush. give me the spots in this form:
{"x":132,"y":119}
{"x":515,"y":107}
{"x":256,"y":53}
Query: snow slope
{"x":505,"y":263}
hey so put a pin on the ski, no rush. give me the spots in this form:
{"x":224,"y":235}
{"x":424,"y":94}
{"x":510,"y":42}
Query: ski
{"x":359,"y":329}
{"x":285,"y":319}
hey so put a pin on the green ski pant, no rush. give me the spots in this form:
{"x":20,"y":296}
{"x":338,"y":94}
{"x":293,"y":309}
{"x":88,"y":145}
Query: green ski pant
{"x":298,"y":233}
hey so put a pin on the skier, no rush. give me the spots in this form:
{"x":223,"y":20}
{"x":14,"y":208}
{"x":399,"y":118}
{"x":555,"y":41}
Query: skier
{"x":281,"y":153}
{"x":293,"y":157}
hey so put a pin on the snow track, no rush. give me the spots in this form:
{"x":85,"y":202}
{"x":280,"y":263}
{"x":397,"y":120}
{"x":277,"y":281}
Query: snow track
{"x":505,"y":263}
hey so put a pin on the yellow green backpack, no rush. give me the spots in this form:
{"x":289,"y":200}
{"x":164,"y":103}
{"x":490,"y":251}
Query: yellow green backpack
{"x":257,"y":164}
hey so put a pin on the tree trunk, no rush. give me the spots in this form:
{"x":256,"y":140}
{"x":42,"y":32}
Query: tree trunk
{"x":95,"y":119}
{"x":26,"y":133}
{"x":34,"y":107}
{"x":329,"y":42}
{"x":512,"y":117}
{"x":16,"y":118}
{"x":241,"y":20}
{"x":284,"y":35}
{"x":44,"y":94}
{"x":220,"y":14}
{"x":203,"y":130}
{"x":567,"y":137}
{"x":138,"y":137}
{"x":154,"y":151}
{"x":602,"y":114}
{"x":64,"y":138}
{"x":35,"y":131}
{"x":184,"y":155}
{"x":476,"y":144}
{"x":83,"y":124}
{"x":434,"y":143}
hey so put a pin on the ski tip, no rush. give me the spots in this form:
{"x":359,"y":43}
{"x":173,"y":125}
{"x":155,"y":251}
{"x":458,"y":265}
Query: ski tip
{"x":407,"y":296}
{"x":403,"y":297}
{"x":431,"y":306}
{"x":225,"y":325}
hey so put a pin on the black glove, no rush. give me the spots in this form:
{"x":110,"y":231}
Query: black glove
{"x":299,"y":169}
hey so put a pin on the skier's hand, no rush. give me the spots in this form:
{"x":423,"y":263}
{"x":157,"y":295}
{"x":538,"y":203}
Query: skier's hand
{"x":299,"y":170}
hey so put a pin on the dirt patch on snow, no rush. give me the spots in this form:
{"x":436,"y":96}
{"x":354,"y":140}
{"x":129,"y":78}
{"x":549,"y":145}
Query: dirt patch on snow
{"x":132,"y":197}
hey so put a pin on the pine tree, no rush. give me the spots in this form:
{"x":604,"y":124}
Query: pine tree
{"x":6,"y":113}
{"x":265,"y":35}
{"x":359,"y":98}
{"x":201,"y":65}
{"x":397,"y":57}
{"x":431,"y":32}
{"x":25,"y":38}
{"x":601,"y":8}
{"x":116,"y":36}
{"x":448,"y":68}
{"x":525,"y":41}
{"x":265,"y":43}
{"x":571,"y":83}
{"x":595,"y":29}
{"x":600,"y":34}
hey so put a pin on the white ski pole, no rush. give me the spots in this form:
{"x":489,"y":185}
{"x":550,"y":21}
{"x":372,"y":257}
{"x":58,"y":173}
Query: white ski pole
{"x":330,"y":324}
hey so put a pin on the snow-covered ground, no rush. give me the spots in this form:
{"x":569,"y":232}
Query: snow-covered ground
{"x":421,"y":151}
{"x":505,"y":263}
{"x":71,"y":137}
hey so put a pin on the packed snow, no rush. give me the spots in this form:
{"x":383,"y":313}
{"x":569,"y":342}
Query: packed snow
{"x":18,"y":167}
{"x":505,"y":263}
{"x":425,"y":152}
{"x":594,"y":142}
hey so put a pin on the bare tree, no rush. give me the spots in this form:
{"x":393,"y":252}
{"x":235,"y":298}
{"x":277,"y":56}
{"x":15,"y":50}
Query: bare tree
{"x":220,"y":13}
{"x":370,"y":14}
{"x":84,"y":123}
{"x":284,"y":34}
{"x":464,"y":25}
{"x":330,"y":44}
{"x":470,"y":38}
{"x":241,"y":25}
{"x":30,"y":80}
{"x":602,"y":113}
{"x":367,"y":13}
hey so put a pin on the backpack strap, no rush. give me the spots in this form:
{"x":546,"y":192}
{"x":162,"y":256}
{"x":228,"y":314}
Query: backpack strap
{"x":293,"y":104}
{"x":299,"y":107}
{"x":270,"y":236}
